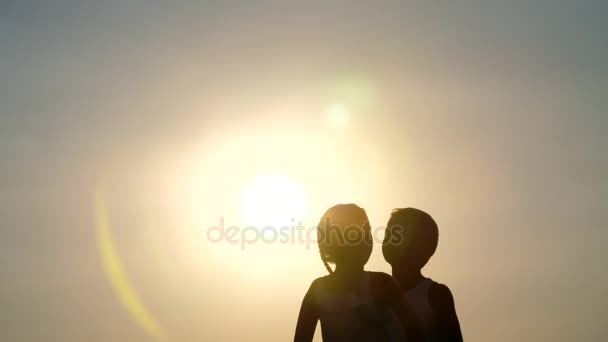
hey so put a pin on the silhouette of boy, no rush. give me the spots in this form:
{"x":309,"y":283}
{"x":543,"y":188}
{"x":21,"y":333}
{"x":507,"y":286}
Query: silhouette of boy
{"x":410,"y":241}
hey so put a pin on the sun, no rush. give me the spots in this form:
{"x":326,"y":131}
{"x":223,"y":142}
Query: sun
{"x":274,"y":200}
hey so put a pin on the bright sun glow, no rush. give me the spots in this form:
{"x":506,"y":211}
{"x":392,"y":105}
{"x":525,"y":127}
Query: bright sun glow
{"x":275,"y":179}
{"x":272,"y":200}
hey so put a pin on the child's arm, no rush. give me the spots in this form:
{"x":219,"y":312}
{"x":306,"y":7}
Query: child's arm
{"x":307,"y":320}
{"x":442,"y":302}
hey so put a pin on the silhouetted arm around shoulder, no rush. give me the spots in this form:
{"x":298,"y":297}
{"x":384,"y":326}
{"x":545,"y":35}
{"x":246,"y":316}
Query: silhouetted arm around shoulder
{"x":442,"y":302}
{"x":309,"y":315}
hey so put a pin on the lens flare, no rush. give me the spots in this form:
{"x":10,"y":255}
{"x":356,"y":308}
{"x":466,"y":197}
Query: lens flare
{"x":116,"y":274}
{"x":338,"y":115}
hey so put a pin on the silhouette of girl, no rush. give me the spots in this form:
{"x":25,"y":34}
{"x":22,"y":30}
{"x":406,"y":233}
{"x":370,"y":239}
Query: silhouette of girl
{"x":352,"y":304}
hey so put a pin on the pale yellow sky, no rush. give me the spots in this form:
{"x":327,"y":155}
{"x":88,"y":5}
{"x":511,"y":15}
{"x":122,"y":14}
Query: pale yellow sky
{"x":488,"y":115}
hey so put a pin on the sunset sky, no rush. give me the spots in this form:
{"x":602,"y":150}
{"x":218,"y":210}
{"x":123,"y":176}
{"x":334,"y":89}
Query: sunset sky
{"x":129,"y":128}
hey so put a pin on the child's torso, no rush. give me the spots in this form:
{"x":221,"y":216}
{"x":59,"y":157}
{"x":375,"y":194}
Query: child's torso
{"x":418,"y":299}
{"x":354,"y":315}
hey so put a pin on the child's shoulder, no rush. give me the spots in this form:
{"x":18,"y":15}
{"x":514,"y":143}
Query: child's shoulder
{"x":440,"y":295}
{"x":380,"y":278}
{"x":319,"y":281}
{"x":438,"y":289}
{"x":383,"y":286}
{"x":377,"y":280}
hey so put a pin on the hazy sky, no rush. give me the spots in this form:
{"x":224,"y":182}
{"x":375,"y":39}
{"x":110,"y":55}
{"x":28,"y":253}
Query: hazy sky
{"x":489,"y":115}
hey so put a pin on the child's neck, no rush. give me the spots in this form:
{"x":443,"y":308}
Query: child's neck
{"x":407,"y":280}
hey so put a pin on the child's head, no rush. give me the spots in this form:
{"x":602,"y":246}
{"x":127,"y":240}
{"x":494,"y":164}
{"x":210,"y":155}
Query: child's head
{"x":344,"y":236}
{"x":411,"y":239}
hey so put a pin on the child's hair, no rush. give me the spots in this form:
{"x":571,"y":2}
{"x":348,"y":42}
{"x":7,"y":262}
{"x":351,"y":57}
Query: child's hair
{"x":344,"y":235}
{"x":405,"y":225}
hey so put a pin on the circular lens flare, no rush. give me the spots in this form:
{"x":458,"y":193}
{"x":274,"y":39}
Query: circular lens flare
{"x":338,"y":115}
{"x":117,"y":274}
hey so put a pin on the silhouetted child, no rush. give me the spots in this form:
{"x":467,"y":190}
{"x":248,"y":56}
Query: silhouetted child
{"x":410,"y":241}
{"x":352,"y":304}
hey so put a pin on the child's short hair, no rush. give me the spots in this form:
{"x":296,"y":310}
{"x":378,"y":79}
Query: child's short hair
{"x":344,"y":235}
{"x":405,"y":225}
